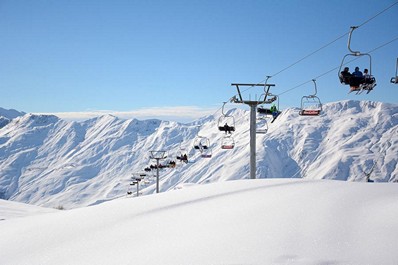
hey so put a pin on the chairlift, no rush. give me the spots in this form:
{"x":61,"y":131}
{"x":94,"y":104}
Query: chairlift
{"x":202,"y":144}
{"x":311,"y":105}
{"x":228,"y":142}
{"x":268,"y":112}
{"x":356,"y":83}
{"x":261,"y":125}
{"x":226,"y":123}
{"x":183,"y":156}
{"x":394,"y":80}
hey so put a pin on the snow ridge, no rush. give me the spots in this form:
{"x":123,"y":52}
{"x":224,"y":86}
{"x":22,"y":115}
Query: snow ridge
{"x":50,"y":162}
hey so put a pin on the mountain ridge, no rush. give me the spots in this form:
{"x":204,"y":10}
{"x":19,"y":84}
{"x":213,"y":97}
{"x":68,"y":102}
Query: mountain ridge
{"x":48,"y":161}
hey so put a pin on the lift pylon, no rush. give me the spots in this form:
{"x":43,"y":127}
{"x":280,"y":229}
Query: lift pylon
{"x":253,"y":106}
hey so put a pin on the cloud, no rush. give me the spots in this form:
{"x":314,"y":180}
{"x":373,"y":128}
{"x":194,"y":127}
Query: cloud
{"x":179,"y":113}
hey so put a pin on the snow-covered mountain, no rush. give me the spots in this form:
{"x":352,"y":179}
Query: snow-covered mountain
{"x":6,"y":115}
{"x":51,"y":162}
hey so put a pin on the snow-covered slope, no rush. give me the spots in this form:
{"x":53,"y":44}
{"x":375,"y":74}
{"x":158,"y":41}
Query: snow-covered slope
{"x":6,"y":115}
{"x":263,"y":221}
{"x":10,"y":209}
{"x":51,"y":162}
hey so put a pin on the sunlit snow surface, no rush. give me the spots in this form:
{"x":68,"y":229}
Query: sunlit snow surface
{"x":273,"y":221}
{"x":51,"y":162}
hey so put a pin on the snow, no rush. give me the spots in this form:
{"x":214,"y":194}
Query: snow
{"x":47,"y":161}
{"x":262,"y":221}
{"x":311,"y":203}
{"x":10,"y":209}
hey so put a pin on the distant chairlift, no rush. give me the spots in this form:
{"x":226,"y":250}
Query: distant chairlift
{"x":183,"y":156}
{"x":394,"y":80}
{"x":226,"y":123}
{"x":202,"y":144}
{"x":311,"y":105}
{"x":358,"y":84}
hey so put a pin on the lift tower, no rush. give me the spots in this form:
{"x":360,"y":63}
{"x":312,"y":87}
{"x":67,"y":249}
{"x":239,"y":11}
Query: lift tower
{"x":157,"y":155}
{"x":253,"y":105}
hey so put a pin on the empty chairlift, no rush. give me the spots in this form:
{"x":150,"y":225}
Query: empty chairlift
{"x":262,"y":124}
{"x":311,"y":105}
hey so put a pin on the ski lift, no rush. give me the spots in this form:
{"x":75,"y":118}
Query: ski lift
{"x":228,"y":142}
{"x":261,"y":125}
{"x":394,"y":80}
{"x":202,"y":144}
{"x":226,"y":123}
{"x":183,"y":156}
{"x":270,"y":112}
{"x":356,"y":83}
{"x":311,"y":105}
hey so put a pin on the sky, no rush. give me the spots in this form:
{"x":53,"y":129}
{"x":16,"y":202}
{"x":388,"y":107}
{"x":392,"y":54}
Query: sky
{"x":177,"y":59}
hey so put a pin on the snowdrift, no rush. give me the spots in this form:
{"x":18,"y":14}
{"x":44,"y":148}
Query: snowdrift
{"x":272,"y":221}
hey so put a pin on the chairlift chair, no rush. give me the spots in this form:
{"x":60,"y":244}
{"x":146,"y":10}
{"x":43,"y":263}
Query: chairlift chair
{"x":266,"y":112}
{"x":202,"y":144}
{"x":183,"y":156}
{"x":228,"y":142}
{"x":226,"y":123}
{"x":311,"y":105}
{"x":358,"y":84}
{"x":261,"y":125}
{"x":394,"y":80}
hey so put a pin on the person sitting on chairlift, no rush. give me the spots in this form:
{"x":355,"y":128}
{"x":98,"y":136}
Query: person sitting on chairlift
{"x":357,"y":73}
{"x":345,"y":75}
{"x":227,"y":128}
{"x":274,"y":111}
{"x":356,"y":79}
{"x":367,"y":77}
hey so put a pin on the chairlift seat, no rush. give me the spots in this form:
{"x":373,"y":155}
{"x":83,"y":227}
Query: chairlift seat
{"x":264,"y":111}
{"x":226,"y":128}
{"x":310,"y":112}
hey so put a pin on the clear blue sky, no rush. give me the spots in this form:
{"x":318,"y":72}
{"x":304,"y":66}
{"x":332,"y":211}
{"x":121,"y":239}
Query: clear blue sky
{"x":78,"y":56}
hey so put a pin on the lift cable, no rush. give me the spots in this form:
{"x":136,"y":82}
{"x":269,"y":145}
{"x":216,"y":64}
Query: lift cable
{"x":317,"y":50}
{"x":335,"y":68}
{"x":326,"y":45}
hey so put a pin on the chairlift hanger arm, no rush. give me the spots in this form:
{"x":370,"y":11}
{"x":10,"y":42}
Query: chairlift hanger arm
{"x":356,"y":53}
{"x":245,"y":84}
{"x":316,"y":90}
{"x":396,"y":69}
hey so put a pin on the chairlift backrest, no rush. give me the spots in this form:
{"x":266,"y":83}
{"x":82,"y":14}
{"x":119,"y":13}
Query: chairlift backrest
{"x":227,"y":142}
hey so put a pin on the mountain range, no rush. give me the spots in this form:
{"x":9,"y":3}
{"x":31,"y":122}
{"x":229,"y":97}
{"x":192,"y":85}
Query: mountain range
{"x":51,"y":162}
